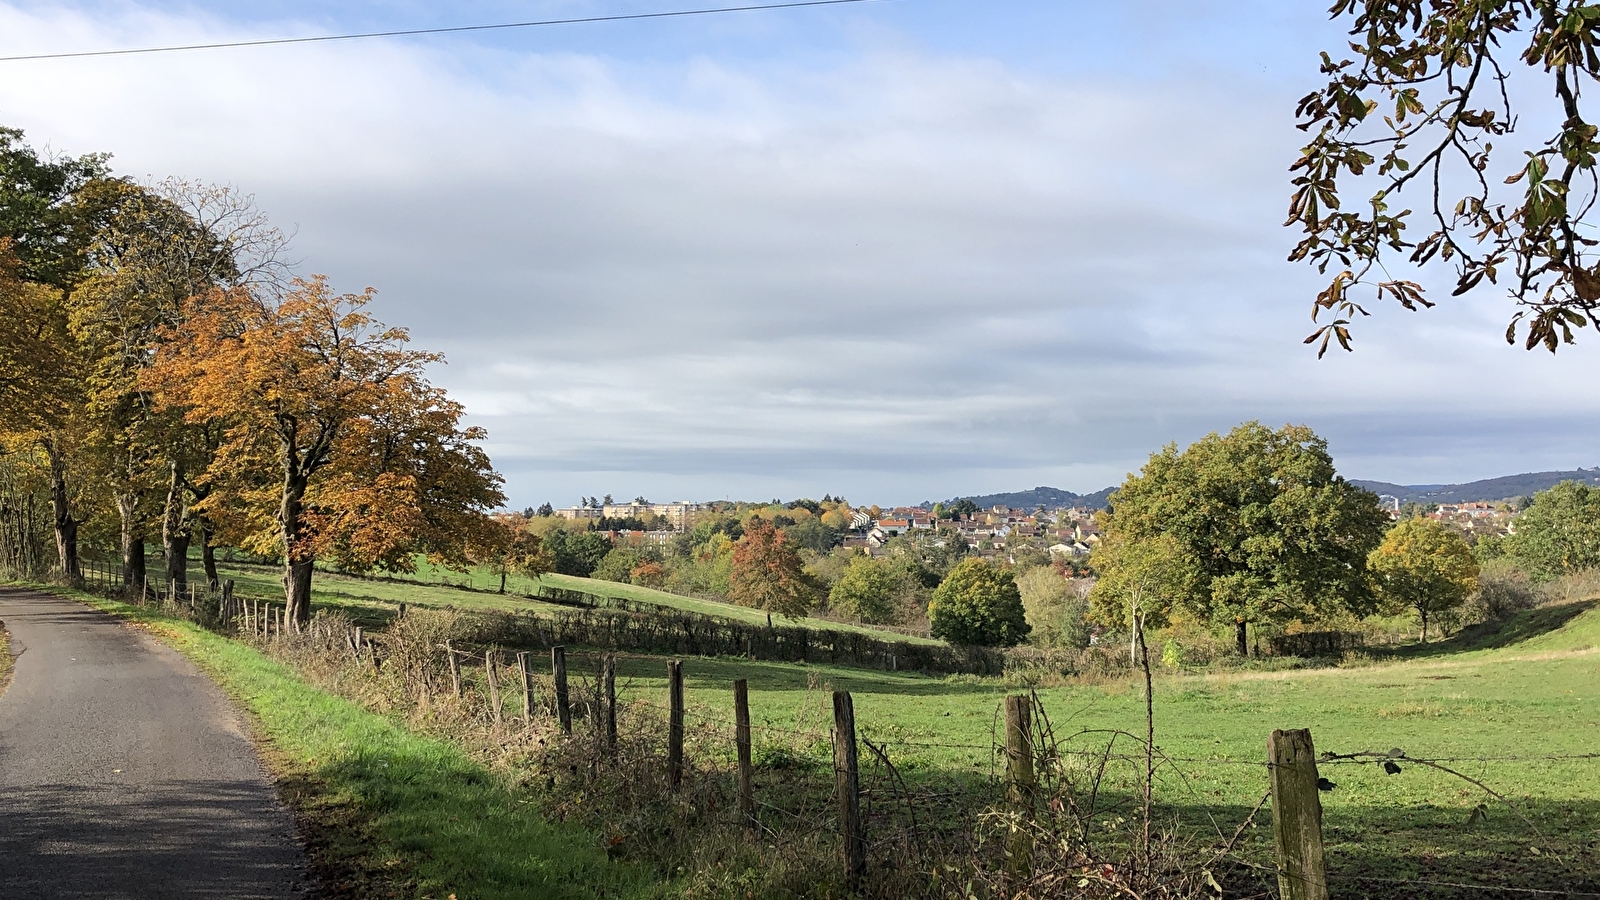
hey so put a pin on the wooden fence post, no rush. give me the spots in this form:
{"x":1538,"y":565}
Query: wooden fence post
{"x":455,"y":669}
{"x":847,"y":784}
{"x":675,"y":722}
{"x":1296,"y":815}
{"x":527,"y":686}
{"x":741,"y":738}
{"x":558,"y":667}
{"x":608,"y":689}
{"x":494,"y":684}
{"x":1020,"y":786}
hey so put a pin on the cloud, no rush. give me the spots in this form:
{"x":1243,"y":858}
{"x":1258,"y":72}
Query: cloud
{"x":900,"y":274}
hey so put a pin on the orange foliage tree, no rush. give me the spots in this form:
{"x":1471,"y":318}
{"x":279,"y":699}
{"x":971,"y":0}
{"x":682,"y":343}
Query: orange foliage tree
{"x":767,"y":572}
{"x":334,"y":444}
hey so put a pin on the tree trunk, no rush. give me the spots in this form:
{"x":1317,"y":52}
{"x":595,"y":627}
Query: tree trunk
{"x":66,"y":526}
{"x":208,"y":554}
{"x":175,"y":535}
{"x":297,"y":560}
{"x":297,"y":589}
{"x":502,"y":581}
{"x":1241,"y":638}
{"x":1424,"y":625}
{"x":133,"y":567}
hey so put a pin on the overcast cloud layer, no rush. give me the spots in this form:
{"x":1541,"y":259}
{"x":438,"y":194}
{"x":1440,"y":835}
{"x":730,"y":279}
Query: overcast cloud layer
{"x":869,"y":260}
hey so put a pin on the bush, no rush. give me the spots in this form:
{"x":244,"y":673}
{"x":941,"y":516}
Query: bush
{"x":618,"y":565}
{"x":1504,"y":590}
{"x":1056,"y":607}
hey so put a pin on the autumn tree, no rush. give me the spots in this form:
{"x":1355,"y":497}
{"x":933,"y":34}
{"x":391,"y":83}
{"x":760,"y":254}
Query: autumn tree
{"x":1423,"y":566}
{"x":372,"y":464}
{"x":45,"y":229}
{"x":1419,"y":105}
{"x":507,"y":547}
{"x":978,"y":603}
{"x":154,"y":248}
{"x":1266,"y":527}
{"x":767,"y":573}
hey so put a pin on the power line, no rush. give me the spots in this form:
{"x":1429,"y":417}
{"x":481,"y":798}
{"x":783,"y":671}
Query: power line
{"x":454,"y":29}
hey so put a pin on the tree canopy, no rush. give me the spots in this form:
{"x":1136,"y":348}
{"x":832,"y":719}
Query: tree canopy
{"x":1257,"y":526}
{"x":1415,"y":106}
{"x":978,"y":603}
{"x":1423,"y":566}
{"x":767,"y":573}
{"x":1559,"y":533}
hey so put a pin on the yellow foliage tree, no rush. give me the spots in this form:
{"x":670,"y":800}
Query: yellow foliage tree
{"x":334,"y":443}
{"x":1423,"y":565}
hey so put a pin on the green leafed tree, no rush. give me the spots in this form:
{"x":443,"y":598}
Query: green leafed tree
{"x":1416,"y":110}
{"x":1559,"y":533}
{"x":978,"y":603}
{"x":1266,"y":528}
{"x":1423,"y":566}
{"x":868,"y":589}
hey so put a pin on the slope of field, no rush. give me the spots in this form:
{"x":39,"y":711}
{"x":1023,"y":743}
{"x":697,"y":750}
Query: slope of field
{"x":365,"y":598}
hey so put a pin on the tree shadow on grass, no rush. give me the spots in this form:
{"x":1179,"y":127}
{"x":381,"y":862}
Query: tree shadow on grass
{"x":1495,"y":635}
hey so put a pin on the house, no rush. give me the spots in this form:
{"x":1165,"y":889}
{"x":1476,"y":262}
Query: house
{"x":893,"y":527}
{"x":580,"y":512}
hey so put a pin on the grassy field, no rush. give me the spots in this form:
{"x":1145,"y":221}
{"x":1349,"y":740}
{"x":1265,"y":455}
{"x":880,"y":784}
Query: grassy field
{"x":440,"y":588}
{"x":1528,"y":690}
{"x":405,"y":815}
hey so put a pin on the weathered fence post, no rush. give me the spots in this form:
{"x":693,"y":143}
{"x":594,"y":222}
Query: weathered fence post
{"x":1296,"y":815}
{"x":741,"y":739}
{"x":455,"y":669}
{"x":608,"y":689}
{"x":558,"y":667}
{"x":1019,"y":786}
{"x":675,"y":722}
{"x":493,"y":678}
{"x":527,"y":686}
{"x":847,"y":784}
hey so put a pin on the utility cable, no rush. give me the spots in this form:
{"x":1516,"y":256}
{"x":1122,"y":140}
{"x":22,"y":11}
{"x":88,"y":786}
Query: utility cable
{"x":453,"y":29}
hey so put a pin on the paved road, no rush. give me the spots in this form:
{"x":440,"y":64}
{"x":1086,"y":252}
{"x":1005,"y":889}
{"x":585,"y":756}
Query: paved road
{"x":125,"y":773}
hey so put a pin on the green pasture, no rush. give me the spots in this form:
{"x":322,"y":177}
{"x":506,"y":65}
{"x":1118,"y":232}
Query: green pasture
{"x":1530,"y":689}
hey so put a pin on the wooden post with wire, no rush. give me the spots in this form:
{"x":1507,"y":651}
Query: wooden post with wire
{"x":675,"y":722}
{"x":558,"y":667}
{"x":490,"y":657}
{"x":847,"y":784}
{"x":455,"y":668}
{"x":741,"y":738}
{"x":1020,"y":786}
{"x":1296,"y":815}
{"x":526,"y":669}
{"x":608,"y":690}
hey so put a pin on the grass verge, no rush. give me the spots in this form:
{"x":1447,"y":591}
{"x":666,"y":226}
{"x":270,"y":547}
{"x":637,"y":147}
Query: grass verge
{"x":387,"y":812}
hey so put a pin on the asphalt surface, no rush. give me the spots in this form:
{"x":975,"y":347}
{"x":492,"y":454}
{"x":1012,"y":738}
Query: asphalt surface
{"x":125,"y":772}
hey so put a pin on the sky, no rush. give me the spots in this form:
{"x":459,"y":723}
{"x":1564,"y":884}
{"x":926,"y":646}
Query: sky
{"x":895,"y":251}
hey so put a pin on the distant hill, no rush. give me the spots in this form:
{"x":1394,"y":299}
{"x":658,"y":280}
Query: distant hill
{"x":1502,"y":488}
{"x":1048,"y":497}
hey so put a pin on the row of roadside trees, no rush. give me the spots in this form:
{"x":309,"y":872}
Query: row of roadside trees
{"x":164,"y":376}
